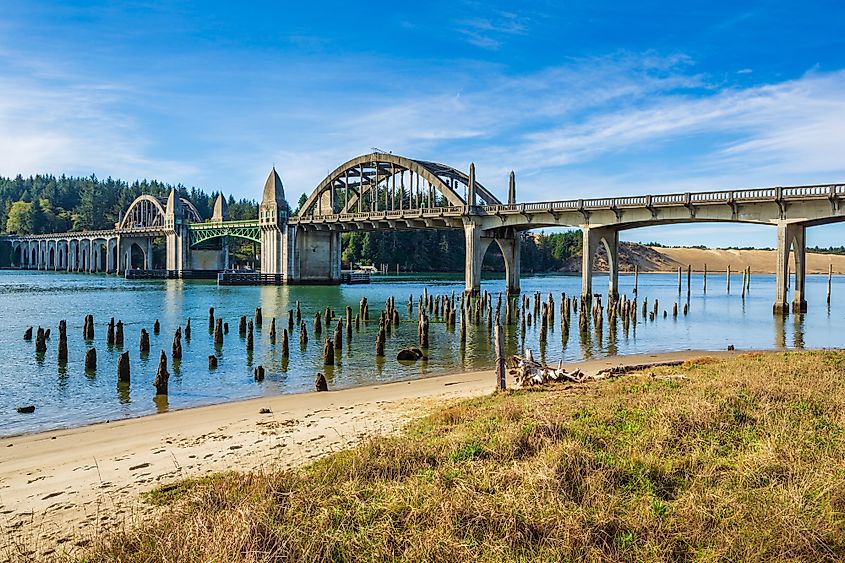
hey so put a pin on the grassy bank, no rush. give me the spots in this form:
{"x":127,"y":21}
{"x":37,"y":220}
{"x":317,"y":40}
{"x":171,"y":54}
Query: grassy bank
{"x":740,"y":459}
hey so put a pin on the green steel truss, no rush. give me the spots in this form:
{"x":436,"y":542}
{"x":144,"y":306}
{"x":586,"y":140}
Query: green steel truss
{"x":202,"y":232}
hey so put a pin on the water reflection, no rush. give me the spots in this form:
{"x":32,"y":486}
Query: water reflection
{"x":162,"y":403}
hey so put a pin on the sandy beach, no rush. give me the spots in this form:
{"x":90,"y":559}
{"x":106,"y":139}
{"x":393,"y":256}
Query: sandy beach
{"x":60,"y":489}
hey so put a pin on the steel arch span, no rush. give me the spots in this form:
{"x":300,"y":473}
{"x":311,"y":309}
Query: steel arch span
{"x":389,"y":182}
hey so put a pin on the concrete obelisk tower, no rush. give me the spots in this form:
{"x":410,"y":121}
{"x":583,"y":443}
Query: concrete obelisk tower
{"x":178,"y":238}
{"x":273,"y":220}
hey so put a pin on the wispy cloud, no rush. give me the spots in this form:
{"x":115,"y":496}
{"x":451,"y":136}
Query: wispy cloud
{"x":487,"y":31}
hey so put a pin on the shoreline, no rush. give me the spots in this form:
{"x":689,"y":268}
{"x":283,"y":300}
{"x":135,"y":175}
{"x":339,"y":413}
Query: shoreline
{"x":60,"y":489}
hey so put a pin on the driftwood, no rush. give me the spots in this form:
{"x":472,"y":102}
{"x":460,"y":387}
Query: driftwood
{"x":622,"y":370}
{"x":526,"y":372}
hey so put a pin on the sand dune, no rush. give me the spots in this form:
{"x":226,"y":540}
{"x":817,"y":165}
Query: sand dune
{"x":761,"y":261}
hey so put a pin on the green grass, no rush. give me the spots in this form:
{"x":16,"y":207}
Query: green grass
{"x":742,"y":460}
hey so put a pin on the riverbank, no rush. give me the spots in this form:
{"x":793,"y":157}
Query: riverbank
{"x":732,"y":458}
{"x":61,"y":490}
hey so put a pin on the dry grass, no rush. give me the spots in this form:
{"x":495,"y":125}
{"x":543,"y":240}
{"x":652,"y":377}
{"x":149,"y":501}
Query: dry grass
{"x":742,"y":461}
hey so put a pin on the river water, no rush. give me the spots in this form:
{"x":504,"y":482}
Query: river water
{"x":68,"y":396}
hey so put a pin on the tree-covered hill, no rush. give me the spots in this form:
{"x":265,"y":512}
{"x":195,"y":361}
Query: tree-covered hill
{"x":45,"y":203}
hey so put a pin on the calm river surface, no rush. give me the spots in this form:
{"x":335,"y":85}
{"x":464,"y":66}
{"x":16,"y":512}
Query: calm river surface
{"x":67,"y":396}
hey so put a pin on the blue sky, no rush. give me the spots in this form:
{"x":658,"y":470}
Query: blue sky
{"x":581,"y":99}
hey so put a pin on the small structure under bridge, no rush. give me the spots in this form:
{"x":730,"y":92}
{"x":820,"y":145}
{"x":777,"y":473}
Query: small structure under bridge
{"x":381,"y":191}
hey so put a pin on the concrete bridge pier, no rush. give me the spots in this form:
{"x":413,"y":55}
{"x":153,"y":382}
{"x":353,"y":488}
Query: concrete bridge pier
{"x":791,"y":238}
{"x":477,"y":243}
{"x":591,"y":238}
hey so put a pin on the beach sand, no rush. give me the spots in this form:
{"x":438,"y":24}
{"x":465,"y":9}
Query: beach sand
{"x":59,"y":490}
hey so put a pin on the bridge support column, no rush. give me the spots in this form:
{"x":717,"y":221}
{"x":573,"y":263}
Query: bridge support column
{"x":791,"y":237}
{"x":316,"y":258}
{"x":591,"y":238}
{"x":476,"y":247}
{"x":511,"y":252}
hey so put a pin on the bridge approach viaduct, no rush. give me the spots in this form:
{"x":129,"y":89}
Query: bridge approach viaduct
{"x":382,"y":191}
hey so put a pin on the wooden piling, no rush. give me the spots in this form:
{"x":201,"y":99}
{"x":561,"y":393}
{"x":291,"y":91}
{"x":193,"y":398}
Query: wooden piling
{"x":187,"y":329}
{"x":156,"y":327}
{"x":273,"y":330}
{"x":679,"y":280}
{"x":290,"y":319}
{"x":728,"y":278}
{"x":500,"y":358}
{"x":176,"y":352}
{"x":242,"y":325}
{"x":212,"y":362}
{"x":829,"y":280}
{"x":62,"y":342}
{"x":91,"y":359}
{"x":636,"y":277}
{"x":218,"y":332}
{"x":110,"y":333}
{"x":250,"y":343}
{"x":162,"y":376}
{"x":705,"y":277}
{"x":318,"y":324}
{"x":259,"y":319}
{"x":303,"y":335}
{"x":211,"y":319}
{"x":285,"y":344}
{"x":338,"y":337}
{"x":118,"y":334}
{"x":258,"y":373}
{"x":40,"y":341}
{"x":328,"y":352}
{"x":123,"y":368}
{"x":689,"y":279}
{"x":144,"y":345}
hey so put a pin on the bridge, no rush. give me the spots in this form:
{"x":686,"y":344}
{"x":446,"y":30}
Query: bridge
{"x":381,"y":191}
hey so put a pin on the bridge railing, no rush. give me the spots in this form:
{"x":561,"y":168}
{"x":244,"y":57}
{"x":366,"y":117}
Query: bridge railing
{"x":219,"y":224}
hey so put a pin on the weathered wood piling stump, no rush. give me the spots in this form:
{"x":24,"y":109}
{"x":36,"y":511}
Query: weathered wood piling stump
{"x":176,"y":351}
{"x":27,"y":335}
{"x":298,"y":313}
{"x":188,"y":329}
{"x":123,"y":368}
{"x":249,"y":339}
{"x":303,"y":335}
{"x":320,"y":383}
{"x":88,"y":328}
{"x":110,"y":333}
{"x":328,"y":352}
{"x":118,"y":334}
{"x":338,"y":337}
{"x":318,"y":324}
{"x":259,"y":373}
{"x":259,"y":319}
{"x":162,"y":376}
{"x":62,"y":355}
{"x":40,"y":341}
{"x":91,"y":359}
{"x":290,"y":319}
{"x":225,"y":328}
{"x":211,"y":323}
{"x":285,"y":344}
{"x":156,"y":327}
{"x":212,"y":362}
{"x":144,"y":346}
{"x":218,"y":332}
{"x":273,"y":330}
{"x":242,"y":326}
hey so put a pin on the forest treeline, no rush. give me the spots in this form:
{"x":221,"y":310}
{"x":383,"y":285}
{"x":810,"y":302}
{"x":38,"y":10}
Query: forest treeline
{"x":45,"y":204}
{"x":443,"y":251}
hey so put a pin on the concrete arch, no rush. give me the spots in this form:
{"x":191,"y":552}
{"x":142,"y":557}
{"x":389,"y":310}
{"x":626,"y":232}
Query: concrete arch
{"x":148,"y":211}
{"x":358,"y":176}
